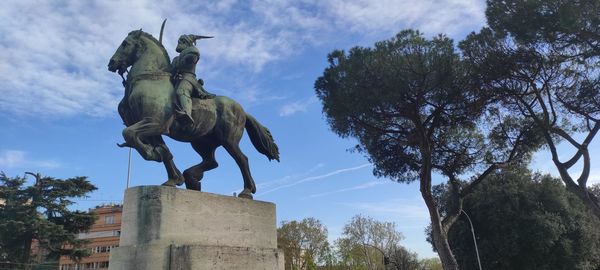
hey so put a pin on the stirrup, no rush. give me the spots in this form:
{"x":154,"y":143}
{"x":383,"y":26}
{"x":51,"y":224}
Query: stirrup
{"x":184,"y":119}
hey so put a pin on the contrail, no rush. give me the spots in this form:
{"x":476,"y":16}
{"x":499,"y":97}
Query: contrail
{"x":313,"y":178}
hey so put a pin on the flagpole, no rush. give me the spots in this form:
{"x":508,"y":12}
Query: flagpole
{"x":129,"y":168}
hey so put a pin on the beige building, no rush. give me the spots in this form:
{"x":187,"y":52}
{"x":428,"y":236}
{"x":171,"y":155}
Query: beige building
{"x":103,"y":236}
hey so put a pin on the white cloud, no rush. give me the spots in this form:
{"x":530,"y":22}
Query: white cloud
{"x":366,"y":185}
{"x":54,"y":56}
{"x":19,"y":159}
{"x":297,"y":106}
{"x":431,"y":16}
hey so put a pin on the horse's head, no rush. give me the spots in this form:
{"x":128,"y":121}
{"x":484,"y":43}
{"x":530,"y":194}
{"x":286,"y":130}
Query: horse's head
{"x":126,"y":54}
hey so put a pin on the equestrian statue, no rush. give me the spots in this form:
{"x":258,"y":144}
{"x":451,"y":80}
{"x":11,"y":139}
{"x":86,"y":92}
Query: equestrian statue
{"x":165,"y":98}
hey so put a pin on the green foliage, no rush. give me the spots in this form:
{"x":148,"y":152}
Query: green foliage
{"x":595,"y":189}
{"x":402,"y":92}
{"x":431,"y":264}
{"x":564,"y":24}
{"x":365,"y":241}
{"x":41,"y":212}
{"x":526,"y":221}
{"x":403,"y":259}
{"x":304,"y":243}
{"x":412,"y":105}
{"x":540,"y":60}
{"x":364,"y":244}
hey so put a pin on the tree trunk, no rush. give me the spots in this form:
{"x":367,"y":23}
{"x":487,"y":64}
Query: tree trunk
{"x":439,"y":234}
{"x":25,"y":259}
{"x":440,"y":240}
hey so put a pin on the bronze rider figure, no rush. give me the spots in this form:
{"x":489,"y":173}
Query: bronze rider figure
{"x":186,"y":83}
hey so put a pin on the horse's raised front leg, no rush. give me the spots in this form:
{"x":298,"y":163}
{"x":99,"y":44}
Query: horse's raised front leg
{"x":242,"y":161}
{"x":146,"y":128}
{"x":194,"y":174}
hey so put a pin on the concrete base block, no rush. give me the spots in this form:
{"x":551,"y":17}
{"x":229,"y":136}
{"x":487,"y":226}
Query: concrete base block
{"x":139,"y":257}
{"x":166,"y":228}
{"x":192,"y":257}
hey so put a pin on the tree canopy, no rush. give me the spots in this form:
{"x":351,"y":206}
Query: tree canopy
{"x":565,"y":25}
{"x":540,"y":60}
{"x":398,"y":93}
{"x":365,"y":242}
{"x":410,"y":103}
{"x":526,"y":220}
{"x":418,"y":106}
{"x":41,"y":212}
{"x":304,"y":243}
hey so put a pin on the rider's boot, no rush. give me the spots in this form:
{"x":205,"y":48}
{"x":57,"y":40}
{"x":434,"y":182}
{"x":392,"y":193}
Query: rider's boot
{"x":185,"y":120}
{"x":183,"y":112}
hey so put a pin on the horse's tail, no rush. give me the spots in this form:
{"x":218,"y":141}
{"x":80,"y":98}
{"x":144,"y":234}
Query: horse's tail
{"x":261,"y":138}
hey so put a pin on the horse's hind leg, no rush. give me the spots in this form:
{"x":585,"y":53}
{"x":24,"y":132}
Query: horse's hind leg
{"x":242,"y":161}
{"x":194,"y":174}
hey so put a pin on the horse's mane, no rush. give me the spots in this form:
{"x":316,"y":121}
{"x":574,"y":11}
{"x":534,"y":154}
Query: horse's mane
{"x":155,"y":41}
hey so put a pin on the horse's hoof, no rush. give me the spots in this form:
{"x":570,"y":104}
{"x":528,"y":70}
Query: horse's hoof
{"x":180,"y":181}
{"x":170,"y":183}
{"x":193,"y":186}
{"x":246,"y":194}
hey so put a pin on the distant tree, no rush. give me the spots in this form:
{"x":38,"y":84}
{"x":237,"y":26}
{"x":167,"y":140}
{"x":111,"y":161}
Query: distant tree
{"x":401,"y":258}
{"x":431,"y":264}
{"x":40,"y":212}
{"x":526,"y":221}
{"x":409,"y":104}
{"x":304,"y":243}
{"x":540,"y":58}
{"x":330,"y":261}
{"x":595,"y":189}
{"x":365,"y":242}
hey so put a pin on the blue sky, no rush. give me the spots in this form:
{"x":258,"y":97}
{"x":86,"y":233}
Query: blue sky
{"x":58,"y":100}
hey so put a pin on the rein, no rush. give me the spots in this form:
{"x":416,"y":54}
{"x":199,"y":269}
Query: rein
{"x":152,"y":76}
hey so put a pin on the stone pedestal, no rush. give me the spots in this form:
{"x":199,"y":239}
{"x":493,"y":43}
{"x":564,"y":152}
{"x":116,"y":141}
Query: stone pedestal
{"x":165,"y":228}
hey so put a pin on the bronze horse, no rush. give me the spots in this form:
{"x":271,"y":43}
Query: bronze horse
{"x":147,"y":109}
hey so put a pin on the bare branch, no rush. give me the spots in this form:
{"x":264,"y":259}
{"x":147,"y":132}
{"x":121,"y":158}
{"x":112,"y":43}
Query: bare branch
{"x":566,"y":136}
{"x":585,"y":174}
{"x":588,"y":139}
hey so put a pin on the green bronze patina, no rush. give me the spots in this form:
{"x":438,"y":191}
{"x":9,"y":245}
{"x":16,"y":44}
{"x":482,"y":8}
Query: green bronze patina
{"x":151,"y":108}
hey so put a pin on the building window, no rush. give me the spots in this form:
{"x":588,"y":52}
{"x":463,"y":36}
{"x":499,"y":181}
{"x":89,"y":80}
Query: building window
{"x":101,"y":249}
{"x":109,"y":219}
{"x":92,"y":265}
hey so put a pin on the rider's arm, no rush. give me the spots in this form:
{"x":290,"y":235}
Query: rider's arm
{"x":191,"y":58}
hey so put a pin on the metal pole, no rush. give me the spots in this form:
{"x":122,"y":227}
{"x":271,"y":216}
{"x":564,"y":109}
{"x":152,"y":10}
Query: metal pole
{"x":129,"y":168}
{"x":474,"y":241}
